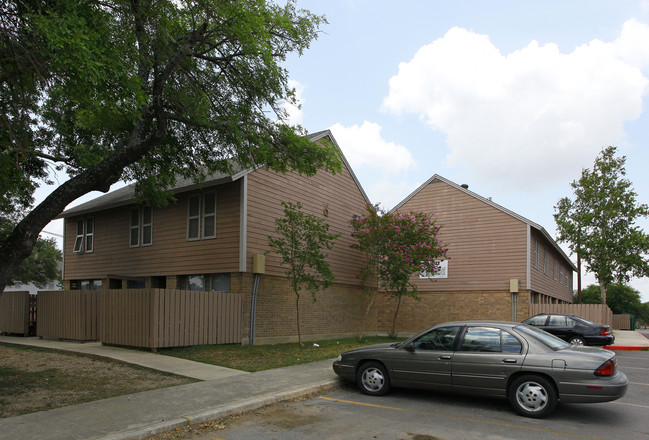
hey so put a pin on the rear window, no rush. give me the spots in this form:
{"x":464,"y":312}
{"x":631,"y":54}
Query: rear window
{"x":543,"y":337}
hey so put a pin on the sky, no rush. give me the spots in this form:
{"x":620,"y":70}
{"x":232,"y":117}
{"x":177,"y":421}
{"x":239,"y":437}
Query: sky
{"x":512,"y":98}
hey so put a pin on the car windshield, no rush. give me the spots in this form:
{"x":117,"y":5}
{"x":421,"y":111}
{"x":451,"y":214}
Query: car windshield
{"x":542,"y":336}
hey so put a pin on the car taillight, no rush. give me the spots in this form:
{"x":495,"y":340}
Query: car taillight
{"x":605,"y":332}
{"x":606,"y":369}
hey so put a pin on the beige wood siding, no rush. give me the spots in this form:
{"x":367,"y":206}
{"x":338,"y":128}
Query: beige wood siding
{"x":170,"y":252}
{"x":338,"y":193}
{"x":487,"y":247}
{"x":543,"y":282}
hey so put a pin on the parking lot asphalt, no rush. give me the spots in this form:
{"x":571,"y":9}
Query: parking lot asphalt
{"x":138,"y":415}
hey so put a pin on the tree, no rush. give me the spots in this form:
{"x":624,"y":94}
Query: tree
{"x":300,"y":241}
{"x":145,"y":91}
{"x":621,"y":299}
{"x":599,"y":223}
{"x":396,"y":245}
{"x":42,"y":266}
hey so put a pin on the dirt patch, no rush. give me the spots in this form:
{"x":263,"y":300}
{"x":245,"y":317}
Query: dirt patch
{"x":34,"y":379}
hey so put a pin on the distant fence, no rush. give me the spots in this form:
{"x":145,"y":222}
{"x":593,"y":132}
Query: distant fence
{"x":623,"y":322}
{"x":14,"y":313}
{"x":147,"y":318}
{"x":599,"y":313}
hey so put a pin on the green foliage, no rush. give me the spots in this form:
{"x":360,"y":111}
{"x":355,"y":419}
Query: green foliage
{"x":396,"y":246}
{"x":146,"y":91}
{"x":300,"y":243}
{"x":599,"y":223}
{"x":621,"y":299}
{"x":42,"y":266}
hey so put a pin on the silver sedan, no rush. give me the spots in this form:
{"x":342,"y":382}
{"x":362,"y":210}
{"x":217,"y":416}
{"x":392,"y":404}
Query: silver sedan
{"x":531,"y":368}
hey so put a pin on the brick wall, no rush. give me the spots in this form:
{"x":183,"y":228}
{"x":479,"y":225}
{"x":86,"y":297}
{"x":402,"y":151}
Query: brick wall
{"x":337,"y":311}
{"x":438,"y":307}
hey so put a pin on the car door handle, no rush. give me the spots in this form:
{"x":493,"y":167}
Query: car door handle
{"x":445,"y":357}
{"x":509,"y":361}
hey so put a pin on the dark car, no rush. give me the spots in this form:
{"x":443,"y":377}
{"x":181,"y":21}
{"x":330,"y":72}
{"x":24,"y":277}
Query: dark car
{"x":572,"y":328}
{"x":531,"y":368}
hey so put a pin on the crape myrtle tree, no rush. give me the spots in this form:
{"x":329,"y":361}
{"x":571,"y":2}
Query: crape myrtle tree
{"x":599,"y":223}
{"x":143,"y":91}
{"x":301,"y":242}
{"x":396,"y":246}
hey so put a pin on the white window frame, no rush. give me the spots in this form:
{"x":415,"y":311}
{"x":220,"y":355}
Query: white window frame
{"x":191,"y":218}
{"x":209,"y":216}
{"x":79,"y":240}
{"x":144,"y":226}
{"x":89,"y":240}
{"x":134,"y":230}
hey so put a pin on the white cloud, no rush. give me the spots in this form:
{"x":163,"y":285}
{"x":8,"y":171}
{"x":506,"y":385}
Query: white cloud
{"x":388,"y":192}
{"x":530,"y":117}
{"x":363,"y":146}
{"x":294,"y":112}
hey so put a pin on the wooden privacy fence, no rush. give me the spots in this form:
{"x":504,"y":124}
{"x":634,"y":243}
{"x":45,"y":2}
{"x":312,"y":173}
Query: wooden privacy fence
{"x":14,"y":313}
{"x":599,"y":313}
{"x":70,"y":314}
{"x":622,"y":322}
{"x":156,"y":318}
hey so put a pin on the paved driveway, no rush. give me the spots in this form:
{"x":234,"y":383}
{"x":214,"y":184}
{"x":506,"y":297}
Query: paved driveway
{"x":412,"y":415}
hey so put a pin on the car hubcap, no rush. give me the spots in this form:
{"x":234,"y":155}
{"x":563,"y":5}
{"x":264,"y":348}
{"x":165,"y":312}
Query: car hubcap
{"x":373,"y":379}
{"x":531,"y":396}
{"x":576,"y":342}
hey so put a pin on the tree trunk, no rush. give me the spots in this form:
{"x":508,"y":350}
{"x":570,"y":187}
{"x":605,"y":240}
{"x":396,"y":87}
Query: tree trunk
{"x":22,"y":239}
{"x":603,"y":290}
{"x":367,"y":311}
{"x":393,"y":334}
{"x":297,"y":315}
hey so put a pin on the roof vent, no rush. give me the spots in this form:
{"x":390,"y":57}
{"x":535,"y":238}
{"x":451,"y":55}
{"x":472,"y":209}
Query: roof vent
{"x":465,"y":186}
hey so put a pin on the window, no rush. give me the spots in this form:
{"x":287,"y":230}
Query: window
{"x":218,"y":282}
{"x":147,"y":226}
{"x":193,"y":218}
{"x":84,"y":241}
{"x":554,"y":267}
{"x":135,"y":227}
{"x":557,"y":321}
{"x":209,"y":215}
{"x":545,"y":261}
{"x":537,"y":320}
{"x":90,"y":285}
{"x":201,"y":216}
{"x":536,"y":253}
{"x":141,"y":232}
{"x":490,"y":340}
{"x":560,"y":273}
{"x":438,"y":339}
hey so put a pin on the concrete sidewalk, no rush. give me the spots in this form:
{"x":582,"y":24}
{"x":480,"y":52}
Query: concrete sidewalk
{"x":223,"y":392}
{"x":138,"y":415}
{"x":628,"y":340}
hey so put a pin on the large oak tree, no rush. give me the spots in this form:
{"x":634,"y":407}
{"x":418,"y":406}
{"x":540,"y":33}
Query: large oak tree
{"x":144,"y":91}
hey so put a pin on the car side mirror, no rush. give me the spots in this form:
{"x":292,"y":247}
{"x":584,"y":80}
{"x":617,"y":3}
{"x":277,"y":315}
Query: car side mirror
{"x":409,"y":347}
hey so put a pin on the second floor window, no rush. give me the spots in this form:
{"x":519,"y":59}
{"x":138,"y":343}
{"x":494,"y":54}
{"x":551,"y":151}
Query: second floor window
{"x":201,"y":216}
{"x":85,"y":239}
{"x":141,"y":231}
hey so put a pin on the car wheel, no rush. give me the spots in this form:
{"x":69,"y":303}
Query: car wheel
{"x":373,"y":379}
{"x":577,"y":340}
{"x":533,"y":396}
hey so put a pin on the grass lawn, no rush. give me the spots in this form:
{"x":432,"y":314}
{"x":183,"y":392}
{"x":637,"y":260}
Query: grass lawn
{"x":264,"y":357}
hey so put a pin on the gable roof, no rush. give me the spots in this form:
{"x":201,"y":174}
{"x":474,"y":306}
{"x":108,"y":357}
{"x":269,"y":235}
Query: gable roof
{"x":489,"y":202}
{"x":126,"y":195}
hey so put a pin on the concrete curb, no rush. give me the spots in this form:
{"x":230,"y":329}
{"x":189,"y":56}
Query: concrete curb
{"x":220,"y":412}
